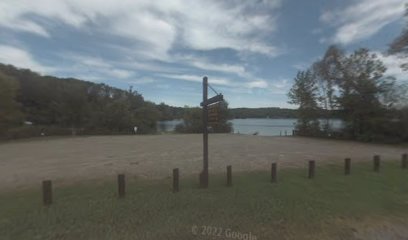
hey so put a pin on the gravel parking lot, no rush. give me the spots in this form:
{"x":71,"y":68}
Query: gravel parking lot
{"x":66,"y":160}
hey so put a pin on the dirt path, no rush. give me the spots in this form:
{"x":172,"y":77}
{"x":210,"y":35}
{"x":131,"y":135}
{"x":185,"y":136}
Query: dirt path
{"x":26,"y":163}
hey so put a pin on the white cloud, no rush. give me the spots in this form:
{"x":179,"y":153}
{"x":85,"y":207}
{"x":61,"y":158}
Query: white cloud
{"x":92,"y":68}
{"x":15,"y":14}
{"x":27,"y":26}
{"x":156,"y":26}
{"x":142,"y":80}
{"x":227,"y":26}
{"x":362,"y":19}
{"x":206,"y":64}
{"x":120,"y":73}
{"x":195,"y":78}
{"x":21,"y":58}
{"x":257,"y":84}
{"x":233,"y":85}
{"x":393,"y":63}
{"x":280,"y":86}
{"x":86,"y":60}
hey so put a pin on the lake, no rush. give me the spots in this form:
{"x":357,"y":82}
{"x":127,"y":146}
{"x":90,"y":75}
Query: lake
{"x":262,"y":126}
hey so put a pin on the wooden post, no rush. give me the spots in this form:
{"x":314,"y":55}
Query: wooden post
{"x":229,"y":176}
{"x":274,"y":177}
{"x":376,"y":160}
{"x":311,"y":169}
{"x":47,"y":192}
{"x":121,"y":185}
{"x":286,"y":133}
{"x":293,"y":132}
{"x":176,"y":180}
{"x":204,"y":173}
{"x":404,"y":161}
{"x":347,"y":166}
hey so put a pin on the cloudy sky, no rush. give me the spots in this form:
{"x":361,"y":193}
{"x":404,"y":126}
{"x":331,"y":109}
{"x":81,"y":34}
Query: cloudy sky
{"x":250,"y":50}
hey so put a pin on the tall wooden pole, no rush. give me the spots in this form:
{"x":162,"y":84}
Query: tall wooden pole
{"x":204,"y":173}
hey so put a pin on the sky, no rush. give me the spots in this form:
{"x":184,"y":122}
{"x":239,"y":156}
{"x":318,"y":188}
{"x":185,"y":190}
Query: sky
{"x":249,"y":49}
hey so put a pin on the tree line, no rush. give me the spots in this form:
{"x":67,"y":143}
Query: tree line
{"x":371,"y":105}
{"x":31,"y":104}
{"x":272,"y":112}
{"x":35,"y":105}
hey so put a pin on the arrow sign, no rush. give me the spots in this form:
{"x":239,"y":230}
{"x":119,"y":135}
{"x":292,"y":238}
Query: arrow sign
{"x":212,"y":100}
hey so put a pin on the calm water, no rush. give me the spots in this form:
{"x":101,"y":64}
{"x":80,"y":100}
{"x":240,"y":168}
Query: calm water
{"x":262,"y":126}
{"x":168,"y":126}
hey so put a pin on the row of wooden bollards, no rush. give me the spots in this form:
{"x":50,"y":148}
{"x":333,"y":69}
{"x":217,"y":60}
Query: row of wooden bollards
{"x":347,"y":166}
{"x":47,"y":185}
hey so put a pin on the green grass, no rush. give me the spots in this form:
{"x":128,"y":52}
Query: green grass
{"x":293,"y":208}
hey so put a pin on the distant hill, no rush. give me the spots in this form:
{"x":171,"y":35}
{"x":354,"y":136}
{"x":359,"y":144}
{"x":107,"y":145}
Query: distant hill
{"x":271,"y":112}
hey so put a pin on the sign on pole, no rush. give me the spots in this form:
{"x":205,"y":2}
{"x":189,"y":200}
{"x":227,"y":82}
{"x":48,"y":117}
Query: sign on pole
{"x":210,"y":116}
{"x":213,"y":114}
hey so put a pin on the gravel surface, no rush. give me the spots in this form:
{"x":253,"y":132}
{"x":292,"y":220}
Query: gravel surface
{"x":66,"y":160}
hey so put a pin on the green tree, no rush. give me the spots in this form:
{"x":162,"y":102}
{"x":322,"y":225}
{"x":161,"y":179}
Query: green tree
{"x":146,"y":118}
{"x":10,"y":114}
{"x":193,"y":121}
{"x":356,"y":89}
{"x":363,"y":93}
{"x":222,"y":126}
{"x":304,"y":93}
{"x":61,"y":105}
{"x":74,"y":106}
{"x":328,"y":72}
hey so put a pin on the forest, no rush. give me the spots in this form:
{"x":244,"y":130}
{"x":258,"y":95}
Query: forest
{"x":372,"y":105}
{"x":34,"y":105}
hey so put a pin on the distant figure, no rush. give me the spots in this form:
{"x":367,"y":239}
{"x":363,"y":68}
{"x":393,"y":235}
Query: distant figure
{"x":135,"y":129}
{"x":255,"y":133}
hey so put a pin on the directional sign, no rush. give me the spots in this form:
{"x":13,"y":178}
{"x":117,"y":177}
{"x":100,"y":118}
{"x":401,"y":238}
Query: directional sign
{"x":212,"y":100}
{"x":213,"y":118}
{"x":213,"y":113}
{"x":214,"y":105}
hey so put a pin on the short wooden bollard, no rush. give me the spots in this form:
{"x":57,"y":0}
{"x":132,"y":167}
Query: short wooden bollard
{"x":274,"y":177}
{"x":347,"y":166}
{"x":404,"y":161}
{"x":311,"y":169}
{"x":229,"y":176}
{"x":121,"y":186}
{"x":47,"y":192}
{"x":376,"y":160}
{"x":176,"y":180}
